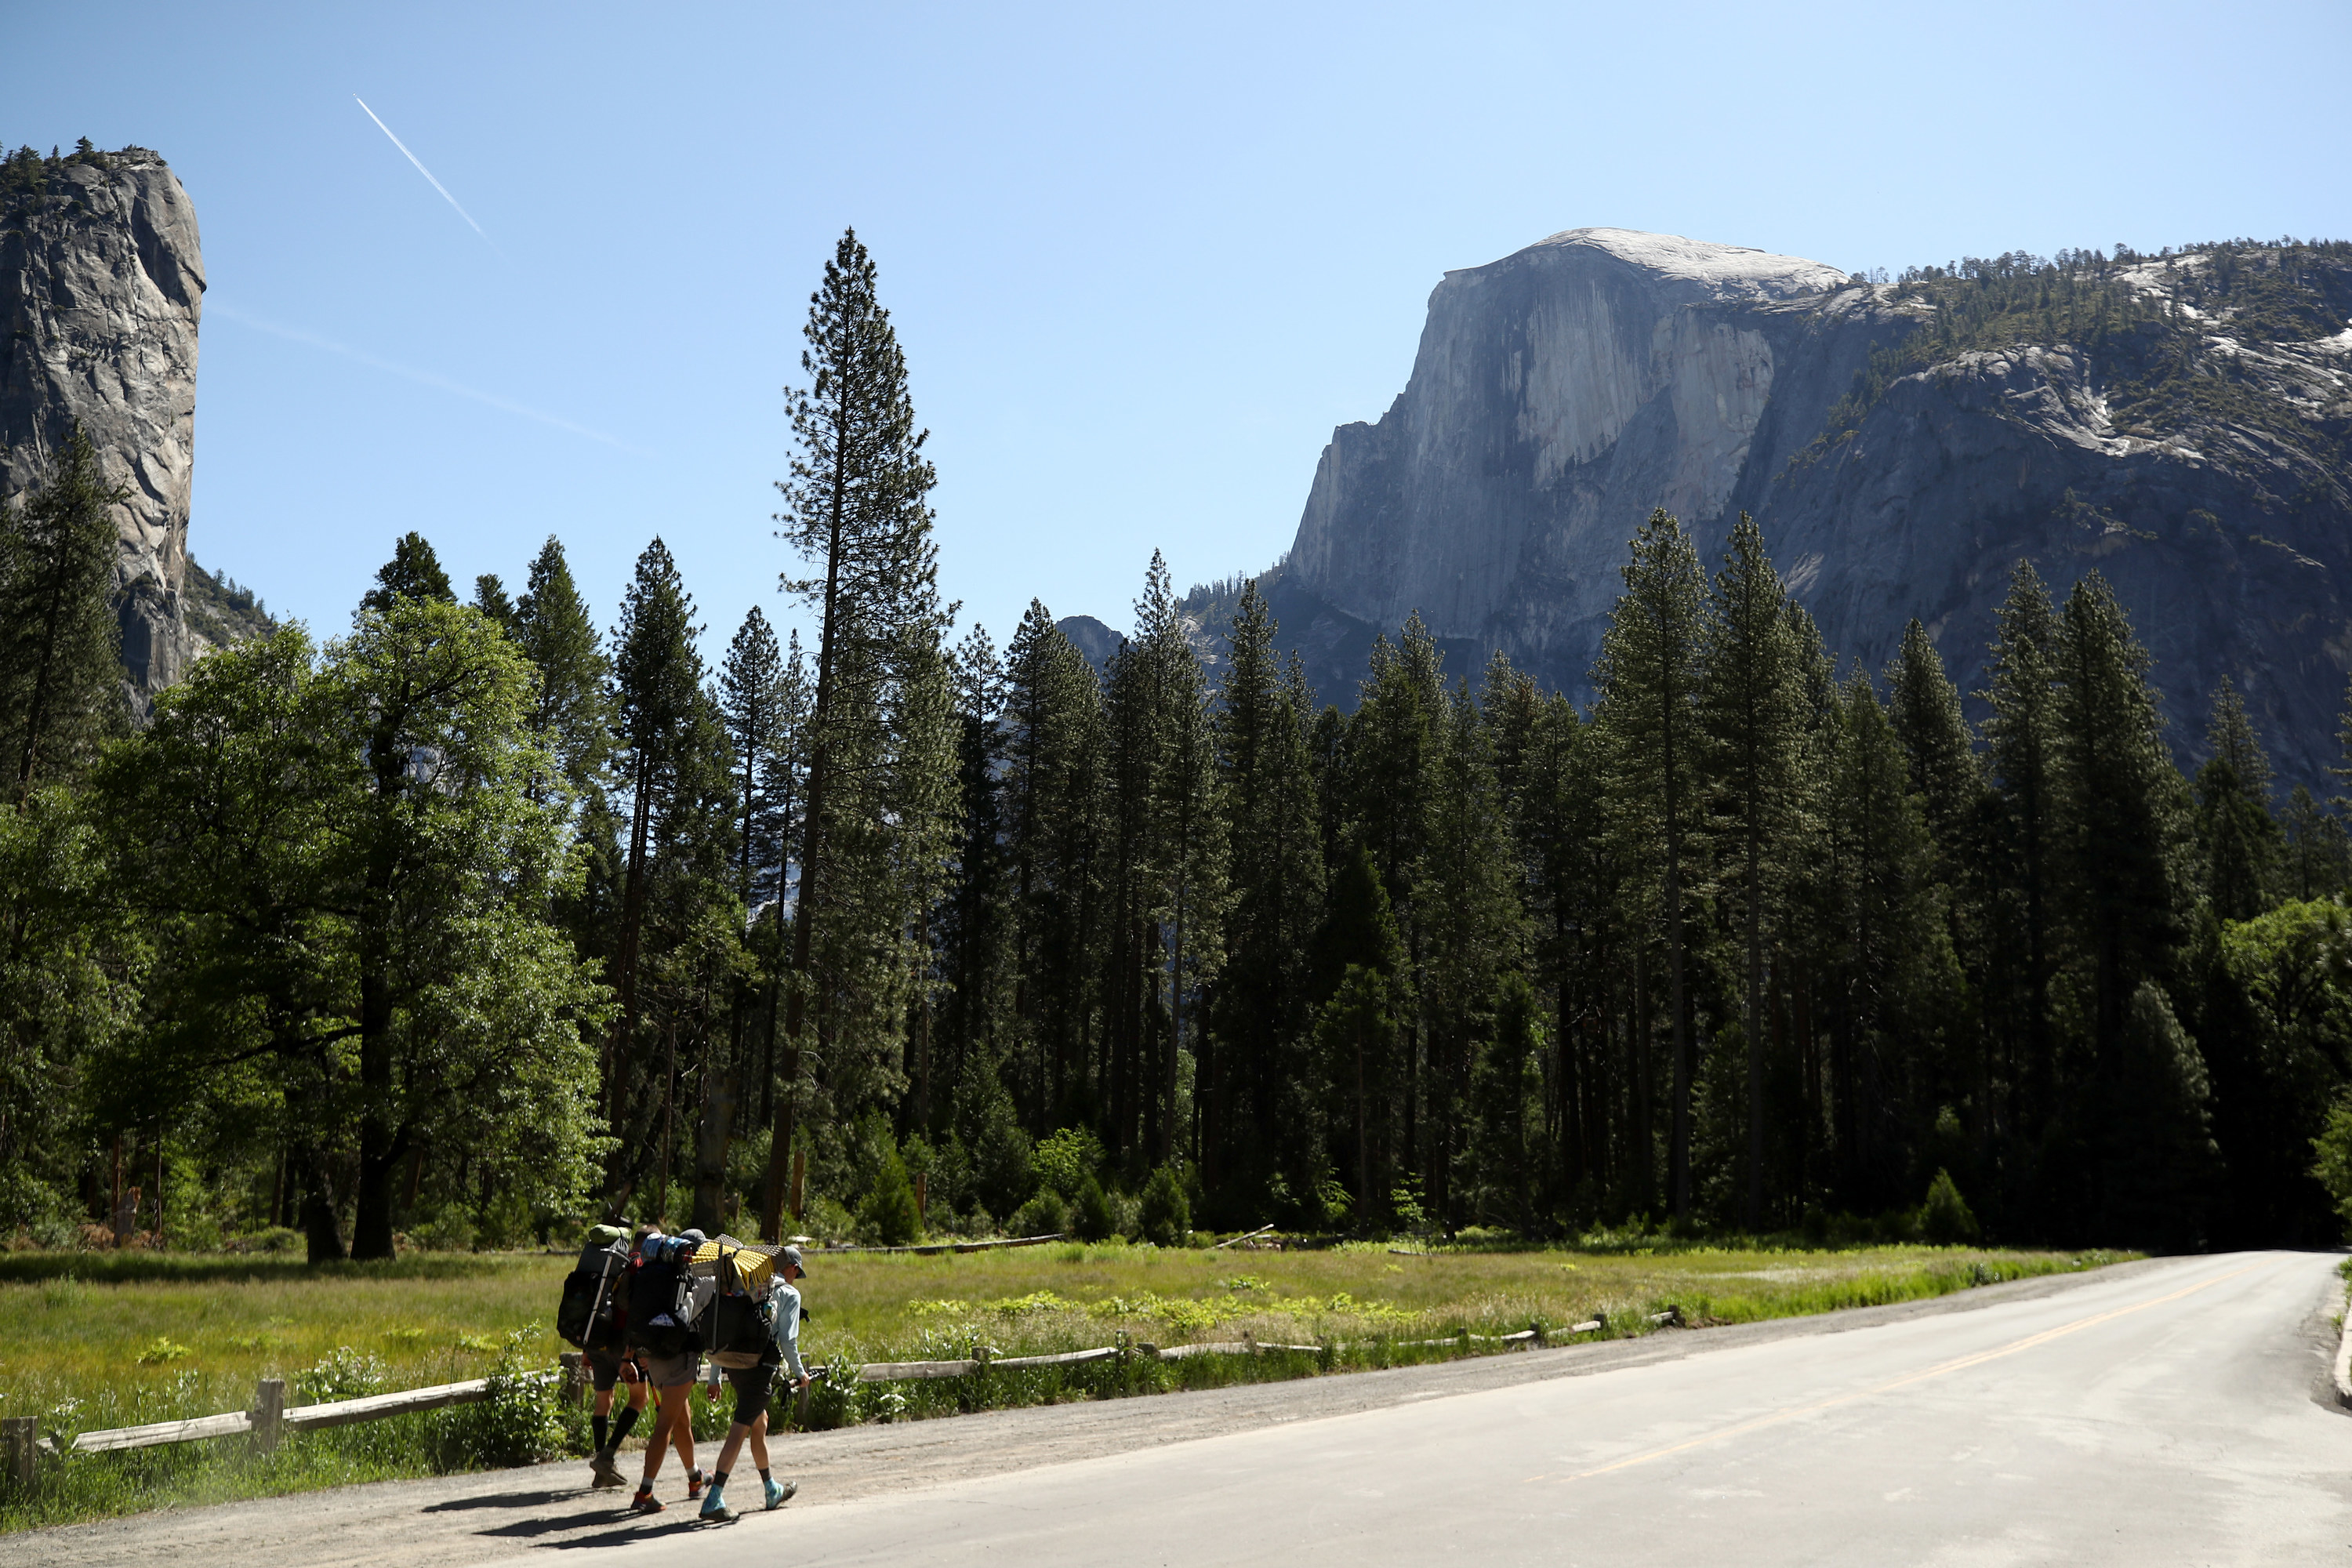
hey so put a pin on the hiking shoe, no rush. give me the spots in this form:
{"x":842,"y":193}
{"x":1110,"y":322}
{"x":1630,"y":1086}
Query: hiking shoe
{"x":715,"y":1508}
{"x":781,"y":1492}
{"x":645,"y":1501}
{"x":693,"y":1485}
{"x":603,"y":1472}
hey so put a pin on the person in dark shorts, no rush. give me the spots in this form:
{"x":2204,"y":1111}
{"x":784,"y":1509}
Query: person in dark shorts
{"x":753,"y":1384}
{"x":608,"y":1365}
{"x":658,"y":1343}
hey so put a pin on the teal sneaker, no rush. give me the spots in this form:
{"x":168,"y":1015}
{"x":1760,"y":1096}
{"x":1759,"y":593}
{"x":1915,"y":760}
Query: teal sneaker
{"x":714,"y":1506}
{"x":781,"y":1492}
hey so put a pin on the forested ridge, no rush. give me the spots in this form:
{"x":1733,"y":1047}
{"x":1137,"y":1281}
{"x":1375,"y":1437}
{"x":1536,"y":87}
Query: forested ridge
{"x":482,"y":919}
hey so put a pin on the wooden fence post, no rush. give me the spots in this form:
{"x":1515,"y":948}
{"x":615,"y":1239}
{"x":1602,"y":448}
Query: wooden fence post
{"x":574,"y":1392}
{"x":268,"y":1413}
{"x":18,"y":1435}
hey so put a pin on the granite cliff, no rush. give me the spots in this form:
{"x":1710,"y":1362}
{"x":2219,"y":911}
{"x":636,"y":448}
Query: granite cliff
{"x":101,"y":288}
{"x":2182,"y":423}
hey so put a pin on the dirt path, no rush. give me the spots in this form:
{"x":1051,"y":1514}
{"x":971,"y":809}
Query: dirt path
{"x":481,"y":1517}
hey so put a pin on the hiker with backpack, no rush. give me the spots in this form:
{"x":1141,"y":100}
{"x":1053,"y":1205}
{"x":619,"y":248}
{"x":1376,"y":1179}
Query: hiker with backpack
{"x":752,"y":1335}
{"x":661,"y":1335}
{"x":593,"y":1316}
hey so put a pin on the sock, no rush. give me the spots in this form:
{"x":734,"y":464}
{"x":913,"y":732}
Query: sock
{"x":603,"y":1429}
{"x":718,"y":1479}
{"x":628,"y":1418}
{"x":764,"y":1476}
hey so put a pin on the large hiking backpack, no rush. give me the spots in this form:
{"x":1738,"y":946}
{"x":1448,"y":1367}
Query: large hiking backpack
{"x":661,"y":1300}
{"x":740,"y":1327}
{"x":585,"y":1316}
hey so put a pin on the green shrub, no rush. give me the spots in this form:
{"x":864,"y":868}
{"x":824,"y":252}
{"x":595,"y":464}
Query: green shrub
{"x":1944,"y":1219}
{"x":343,"y":1373}
{"x":1094,"y":1218}
{"x":520,"y":1422}
{"x":1044,"y":1215}
{"x":1164,"y":1218}
{"x":888,"y":1217}
{"x":1068,"y":1161}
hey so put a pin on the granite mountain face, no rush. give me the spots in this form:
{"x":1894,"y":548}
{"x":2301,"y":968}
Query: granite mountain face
{"x":2182,"y":424}
{"x":101,"y":288}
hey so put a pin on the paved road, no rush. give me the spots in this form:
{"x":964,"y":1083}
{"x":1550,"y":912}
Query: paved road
{"x":2167,"y":1416}
{"x":2174,"y":1411}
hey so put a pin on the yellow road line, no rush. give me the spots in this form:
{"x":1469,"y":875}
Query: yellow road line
{"x":1958,"y":1363}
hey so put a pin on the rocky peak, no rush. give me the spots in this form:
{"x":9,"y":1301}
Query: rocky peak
{"x":101,"y":288}
{"x":2182,"y":423}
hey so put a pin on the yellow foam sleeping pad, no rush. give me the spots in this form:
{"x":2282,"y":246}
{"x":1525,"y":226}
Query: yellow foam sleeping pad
{"x":752,"y":1261}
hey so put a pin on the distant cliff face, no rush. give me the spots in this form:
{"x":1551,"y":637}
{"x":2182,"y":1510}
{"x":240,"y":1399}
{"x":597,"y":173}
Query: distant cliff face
{"x":2184,"y":425}
{"x":101,"y":287}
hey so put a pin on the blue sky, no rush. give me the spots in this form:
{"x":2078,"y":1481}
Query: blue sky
{"x":1142,"y":260}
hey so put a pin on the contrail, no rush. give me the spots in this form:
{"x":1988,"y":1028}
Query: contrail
{"x":423,"y":377}
{"x":421,"y":169}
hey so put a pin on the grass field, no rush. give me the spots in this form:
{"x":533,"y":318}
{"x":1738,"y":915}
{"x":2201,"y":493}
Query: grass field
{"x":84,"y":1354}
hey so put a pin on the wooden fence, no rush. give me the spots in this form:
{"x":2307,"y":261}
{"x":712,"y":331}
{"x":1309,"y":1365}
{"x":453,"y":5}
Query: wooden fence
{"x":270,"y":1418}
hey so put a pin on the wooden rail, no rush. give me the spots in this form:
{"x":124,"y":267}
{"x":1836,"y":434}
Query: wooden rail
{"x":270,"y":1418}
{"x":267,"y":1420}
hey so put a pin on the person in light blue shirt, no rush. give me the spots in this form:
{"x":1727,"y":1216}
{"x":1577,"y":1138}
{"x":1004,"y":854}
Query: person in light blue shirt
{"x":754,"y":1383}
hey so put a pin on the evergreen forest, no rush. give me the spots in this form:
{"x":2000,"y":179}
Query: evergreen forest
{"x":487,"y":916}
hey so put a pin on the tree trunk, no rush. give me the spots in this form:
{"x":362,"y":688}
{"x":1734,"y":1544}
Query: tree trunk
{"x":380,"y":1145}
{"x":713,"y":1134}
{"x":318,"y":1226}
{"x":1755,"y":1036}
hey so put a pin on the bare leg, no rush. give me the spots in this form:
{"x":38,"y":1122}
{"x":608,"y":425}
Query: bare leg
{"x":757,"y":1432}
{"x":667,"y":1420}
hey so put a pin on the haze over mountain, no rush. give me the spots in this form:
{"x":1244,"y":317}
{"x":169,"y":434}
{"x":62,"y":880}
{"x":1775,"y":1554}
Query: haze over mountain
{"x":2182,"y":423}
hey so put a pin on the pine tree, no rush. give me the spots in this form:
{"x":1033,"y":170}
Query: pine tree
{"x":2239,"y":838}
{"x":2119,"y":800}
{"x":61,"y":645}
{"x":751,"y":704}
{"x":413,"y":572}
{"x":668,"y":744}
{"x":1751,"y":708}
{"x":1055,"y":801}
{"x":571,"y":713}
{"x":1473,"y":930}
{"x":1167,"y":871}
{"x":1379,"y":798}
{"x":2314,"y":862}
{"x":976,"y":923}
{"x":1649,"y":678}
{"x":857,"y":511}
{"x":1361,"y":1054}
{"x":1925,"y":708}
{"x":1895,"y":977}
{"x":1948,"y":777}
{"x":491,"y":599}
{"x":2021,"y":746}
{"x":1252,"y":1133}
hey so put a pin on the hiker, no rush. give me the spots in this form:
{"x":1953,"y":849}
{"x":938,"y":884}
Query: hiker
{"x":595,"y":1316}
{"x":752,"y":1373}
{"x":661,"y":1337}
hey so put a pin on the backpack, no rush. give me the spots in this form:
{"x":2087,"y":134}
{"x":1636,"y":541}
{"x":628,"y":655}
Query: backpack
{"x":661,"y":1302}
{"x":585,"y":1316}
{"x":740,"y":1326}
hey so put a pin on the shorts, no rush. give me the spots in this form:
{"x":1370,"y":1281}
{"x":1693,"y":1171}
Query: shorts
{"x":666,"y":1371}
{"x":752,"y":1385}
{"x":607,"y":1366}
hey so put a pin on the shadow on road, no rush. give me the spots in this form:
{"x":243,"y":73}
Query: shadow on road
{"x":505,"y":1499}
